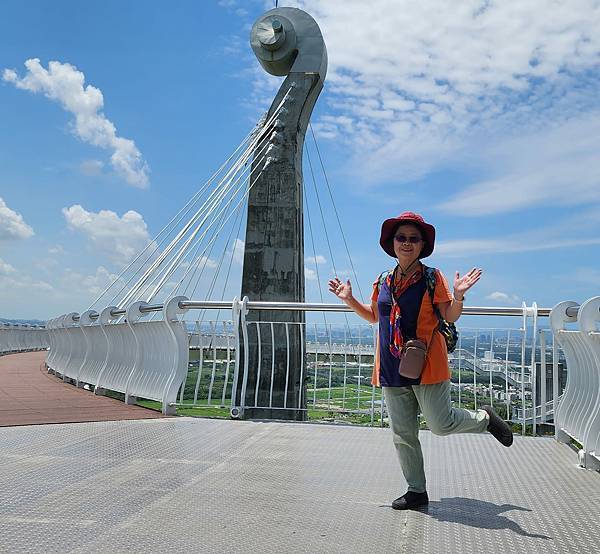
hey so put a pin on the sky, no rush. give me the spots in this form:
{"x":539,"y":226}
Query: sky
{"x":483,"y":116}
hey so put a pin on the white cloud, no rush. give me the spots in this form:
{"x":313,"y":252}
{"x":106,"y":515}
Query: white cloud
{"x":503,"y":297}
{"x":508,"y":244}
{"x":578,"y":229}
{"x":558,"y":166}
{"x":12,"y":225}
{"x":238,"y":248}
{"x":342,"y":273}
{"x":199,"y":262}
{"x":586,"y":275}
{"x":421,"y":85}
{"x":234,"y":6}
{"x":318,"y":259}
{"x":233,"y":46}
{"x":12,"y":281}
{"x":121,"y":238}
{"x":88,"y":284}
{"x":63,"y":83}
{"x":6,"y":268}
{"x":208,"y":262}
{"x":56,"y":250}
{"x":310,"y":274}
{"x":47,"y":265}
{"x":91,"y":168}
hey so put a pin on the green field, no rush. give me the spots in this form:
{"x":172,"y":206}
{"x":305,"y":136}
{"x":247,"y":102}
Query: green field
{"x":352,"y":405}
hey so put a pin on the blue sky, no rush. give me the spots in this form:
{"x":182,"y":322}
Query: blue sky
{"x":484,"y":117}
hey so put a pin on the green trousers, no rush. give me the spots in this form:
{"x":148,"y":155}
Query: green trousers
{"x":433,"y":401}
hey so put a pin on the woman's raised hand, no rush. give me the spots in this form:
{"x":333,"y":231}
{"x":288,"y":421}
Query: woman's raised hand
{"x":342,"y":290}
{"x":464,"y":283}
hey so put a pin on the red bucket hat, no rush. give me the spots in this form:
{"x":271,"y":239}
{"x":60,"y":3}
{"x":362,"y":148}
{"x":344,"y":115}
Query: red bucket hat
{"x":390,"y":225}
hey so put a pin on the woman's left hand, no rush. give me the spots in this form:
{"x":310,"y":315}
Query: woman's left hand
{"x":464,"y":283}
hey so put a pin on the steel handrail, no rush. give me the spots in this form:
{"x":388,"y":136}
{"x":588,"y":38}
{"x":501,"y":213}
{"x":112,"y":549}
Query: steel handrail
{"x":319,"y":307}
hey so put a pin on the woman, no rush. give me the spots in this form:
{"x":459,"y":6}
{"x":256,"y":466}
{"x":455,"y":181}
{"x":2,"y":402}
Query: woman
{"x":405,"y":307}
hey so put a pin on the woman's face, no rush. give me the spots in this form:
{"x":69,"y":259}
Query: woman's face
{"x":406,"y":251}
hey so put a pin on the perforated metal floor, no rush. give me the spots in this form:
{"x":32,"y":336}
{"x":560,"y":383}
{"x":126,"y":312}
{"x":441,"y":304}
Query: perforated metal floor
{"x":229,"y":486}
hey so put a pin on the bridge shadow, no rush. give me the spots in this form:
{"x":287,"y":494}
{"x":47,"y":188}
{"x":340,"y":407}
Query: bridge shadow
{"x":478,"y":513}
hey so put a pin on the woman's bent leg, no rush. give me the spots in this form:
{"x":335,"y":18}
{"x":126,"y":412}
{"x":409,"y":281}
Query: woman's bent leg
{"x":403,"y":410}
{"x":441,"y":417}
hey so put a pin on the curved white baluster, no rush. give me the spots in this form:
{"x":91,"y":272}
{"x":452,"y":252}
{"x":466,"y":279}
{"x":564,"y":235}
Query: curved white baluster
{"x":103,"y":320}
{"x":589,"y":316}
{"x":558,"y":319}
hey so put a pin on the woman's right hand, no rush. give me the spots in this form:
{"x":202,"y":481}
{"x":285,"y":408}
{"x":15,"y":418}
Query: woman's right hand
{"x":342,"y":290}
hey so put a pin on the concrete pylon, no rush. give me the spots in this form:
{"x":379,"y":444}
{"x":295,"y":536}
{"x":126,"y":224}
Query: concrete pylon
{"x":287,"y":42}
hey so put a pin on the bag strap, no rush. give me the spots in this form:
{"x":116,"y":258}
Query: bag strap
{"x":382,"y":277}
{"x":431,"y":281}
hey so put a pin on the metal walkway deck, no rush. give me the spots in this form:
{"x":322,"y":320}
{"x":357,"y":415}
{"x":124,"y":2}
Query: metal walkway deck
{"x":201,"y":485}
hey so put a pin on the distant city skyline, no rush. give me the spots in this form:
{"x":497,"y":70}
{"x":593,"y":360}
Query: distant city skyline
{"x":483,"y":117}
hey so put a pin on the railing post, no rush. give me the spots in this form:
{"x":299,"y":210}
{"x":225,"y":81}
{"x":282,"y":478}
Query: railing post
{"x":533,"y":371}
{"x":460,"y":356}
{"x":50,"y":326}
{"x":523,"y":343}
{"x":228,"y":364}
{"x":543,"y":375}
{"x":375,"y":333}
{"x":177,"y":378}
{"x":491,"y":368}
{"x":555,"y":379}
{"x":133,"y":316}
{"x":244,"y":326}
{"x":475,"y":368}
{"x":68,"y":324}
{"x":507,"y":399}
{"x":558,"y":318}
{"x":200,"y":361}
{"x":84,"y":321}
{"x":104,"y":320}
{"x":236,"y":314}
{"x":589,"y":315}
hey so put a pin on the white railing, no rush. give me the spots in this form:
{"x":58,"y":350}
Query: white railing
{"x":208,"y":366}
{"x":578,"y":414}
{"x":22,"y":338}
{"x":491,"y":366}
{"x":213,"y":363}
{"x":118,"y":351}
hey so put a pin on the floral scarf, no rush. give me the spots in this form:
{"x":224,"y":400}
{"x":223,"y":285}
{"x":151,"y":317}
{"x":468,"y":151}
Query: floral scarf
{"x":396,"y":289}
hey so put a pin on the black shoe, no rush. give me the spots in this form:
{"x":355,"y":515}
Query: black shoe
{"x":410,"y":501}
{"x":498,"y":427}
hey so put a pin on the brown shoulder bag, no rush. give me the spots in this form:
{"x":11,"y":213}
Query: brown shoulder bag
{"x":412,"y":360}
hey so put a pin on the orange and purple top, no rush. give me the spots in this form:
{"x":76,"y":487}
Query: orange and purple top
{"x":417,"y":320}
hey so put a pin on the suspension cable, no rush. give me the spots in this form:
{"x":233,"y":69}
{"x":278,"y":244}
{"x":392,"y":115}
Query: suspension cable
{"x":243,"y":199}
{"x":205,"y":208}
{"x":174,"y":220}
{"x":324,"y":225}
{"x":199,"y":258}
{"x":179,"y":255}
{"x":254,"y":139}
{"x":335,"y":209}
{"x":233,"y":248}
{"x":321,"y":212}
{"x":205,"y":212}
{"x":312,"y":240}
{"x":249,"y":176}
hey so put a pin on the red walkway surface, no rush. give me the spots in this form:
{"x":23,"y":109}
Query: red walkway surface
{"x":29,"y":396}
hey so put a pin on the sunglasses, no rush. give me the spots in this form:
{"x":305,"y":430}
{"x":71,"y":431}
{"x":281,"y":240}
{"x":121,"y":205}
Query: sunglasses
{"x":412,"y":239}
